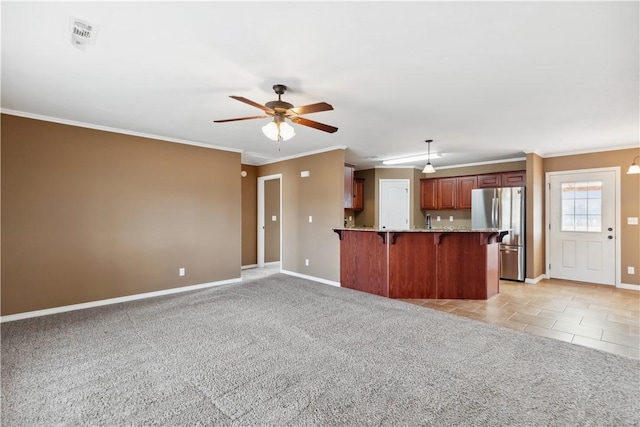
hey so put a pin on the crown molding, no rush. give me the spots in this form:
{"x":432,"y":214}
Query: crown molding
{"x":305,"y":154}
{"x":592,"y":150}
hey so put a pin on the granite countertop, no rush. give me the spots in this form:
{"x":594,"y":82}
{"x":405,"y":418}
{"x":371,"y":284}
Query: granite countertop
{"x":450,"y":229}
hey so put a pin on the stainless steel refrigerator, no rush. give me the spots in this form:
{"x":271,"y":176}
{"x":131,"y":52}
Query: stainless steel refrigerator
{"x":503,"y":208}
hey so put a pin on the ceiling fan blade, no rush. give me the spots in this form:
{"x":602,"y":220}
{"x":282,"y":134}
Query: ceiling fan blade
{"x":254,"y":104}
{"x":240,"y":118}
{"x":320,"y":126}
{"x":312,"y":108}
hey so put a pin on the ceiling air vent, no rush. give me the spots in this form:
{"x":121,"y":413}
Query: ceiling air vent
{"x":83,"y":34}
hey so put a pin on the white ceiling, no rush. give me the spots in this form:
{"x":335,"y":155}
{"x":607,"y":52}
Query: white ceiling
{"x":485,"y":80}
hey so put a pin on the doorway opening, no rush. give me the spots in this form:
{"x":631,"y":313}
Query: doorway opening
{"x":270,"y":221}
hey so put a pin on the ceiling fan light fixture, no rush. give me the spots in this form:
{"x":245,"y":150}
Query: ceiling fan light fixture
{"x":278,"y":131}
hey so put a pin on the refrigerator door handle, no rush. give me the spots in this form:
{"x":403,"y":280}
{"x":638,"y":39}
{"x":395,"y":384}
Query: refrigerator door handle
{"x":494,"y":212}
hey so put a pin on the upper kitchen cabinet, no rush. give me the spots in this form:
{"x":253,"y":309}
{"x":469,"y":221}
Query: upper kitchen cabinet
{"x":348,"y":186}
{"x":514,"y":179}
{"x":503,"y":179}
{"x":438,"y":193}
{"x":358,"y":194}
{"x":447,"y":193}
{"x":465,"y":185}
{"x":428,"y":194}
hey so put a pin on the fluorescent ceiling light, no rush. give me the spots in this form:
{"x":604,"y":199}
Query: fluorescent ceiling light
{"x":411,"y":159}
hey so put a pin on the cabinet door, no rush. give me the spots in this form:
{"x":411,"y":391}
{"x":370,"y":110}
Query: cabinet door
{"x":465,"y":185}
{"x":428,"y":194}
{"x":358,"y":194}
{"x":447,"y":193}
{"x":348,"y":186}
{"x":492,"y":180}
{"x":514,"y":179}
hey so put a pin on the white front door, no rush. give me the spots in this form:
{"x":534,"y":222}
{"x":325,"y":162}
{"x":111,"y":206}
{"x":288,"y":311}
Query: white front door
{"x":582,"y":226}
{"x":394,"y":204}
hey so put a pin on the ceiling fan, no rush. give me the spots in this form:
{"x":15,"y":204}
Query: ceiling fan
{"x":278,"y":129}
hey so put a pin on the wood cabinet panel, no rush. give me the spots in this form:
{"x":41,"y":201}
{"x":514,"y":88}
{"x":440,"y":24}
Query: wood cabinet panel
{"x":428,"y":194}
{"x":493,"y":180}
{"x":479,"y":279}
{"x":358,"y":194}
{"x":348,"y":186}
{"x":412,"y":266}
{"x":446,"y":193}
{"x":514,"y":179}
{"x":465,"y":185}
{"x":363,"y":262}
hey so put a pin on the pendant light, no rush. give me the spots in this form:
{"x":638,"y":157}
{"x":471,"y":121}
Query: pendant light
{"x":634,"y":168}
{"x":428,"y":168}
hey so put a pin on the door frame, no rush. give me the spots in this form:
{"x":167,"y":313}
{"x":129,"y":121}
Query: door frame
{"x":616,"y":216}
{"x":409,"y":193}
{"x":261,"y":222}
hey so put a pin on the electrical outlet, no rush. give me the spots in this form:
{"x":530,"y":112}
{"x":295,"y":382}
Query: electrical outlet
{"x":310,"y":218}
{"x":181,"y":272}
{"x":451,"y":218}
{"x":438,"y":218}
{"x":631,"y":270}
{"x":306,"y":262}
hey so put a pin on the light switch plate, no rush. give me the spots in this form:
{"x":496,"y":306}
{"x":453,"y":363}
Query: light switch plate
{"x":304,"y":174}
{"x":274,"y":218}
{"x":632,"y":220}
{"x":310,"y":218}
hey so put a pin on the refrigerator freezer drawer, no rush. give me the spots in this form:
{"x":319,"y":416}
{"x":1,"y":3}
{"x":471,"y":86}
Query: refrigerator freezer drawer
{"x":512,"y":263}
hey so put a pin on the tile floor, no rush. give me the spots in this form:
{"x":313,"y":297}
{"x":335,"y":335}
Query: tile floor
{"x":596,"y":316}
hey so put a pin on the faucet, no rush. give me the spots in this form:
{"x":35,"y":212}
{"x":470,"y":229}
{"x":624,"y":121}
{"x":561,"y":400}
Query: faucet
{"x":427,"y":221}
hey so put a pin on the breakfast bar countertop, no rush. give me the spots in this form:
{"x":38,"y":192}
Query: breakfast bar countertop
{"x":450,"y":229}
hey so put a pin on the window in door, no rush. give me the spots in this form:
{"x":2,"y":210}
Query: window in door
{"x":582,"y":206}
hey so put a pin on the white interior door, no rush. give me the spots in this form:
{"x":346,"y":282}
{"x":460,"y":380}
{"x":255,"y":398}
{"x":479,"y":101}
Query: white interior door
{"x":582,"y":226}
{"x":394,"y":204}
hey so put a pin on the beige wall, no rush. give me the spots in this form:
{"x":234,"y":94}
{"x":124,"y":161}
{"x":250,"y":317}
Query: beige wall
{"x":535,"y":219}
{"x":629,"y":204}
{"x":271,"y":227}
{"x":89,"y":215}
{"x":321,"y":196}
{"x":250,"y":216}
{"x":366,"y":217}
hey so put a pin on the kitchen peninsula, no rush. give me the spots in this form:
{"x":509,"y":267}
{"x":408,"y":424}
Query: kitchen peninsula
{"x":434,"y":263}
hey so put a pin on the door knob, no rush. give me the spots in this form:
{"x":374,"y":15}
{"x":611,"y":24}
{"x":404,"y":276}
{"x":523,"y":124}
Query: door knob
{"x":609,"y":229}
{"x":609,"y":237}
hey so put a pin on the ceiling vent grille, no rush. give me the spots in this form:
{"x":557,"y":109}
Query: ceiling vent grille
{"x":83,"y":34}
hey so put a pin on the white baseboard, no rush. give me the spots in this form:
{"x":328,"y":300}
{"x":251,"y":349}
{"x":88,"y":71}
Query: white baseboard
{"x":99,"y":303}
{"x":315,"y":279}
{"x":628,"y":286}
{"x":244,"y":267}
{"x":535,"y":280}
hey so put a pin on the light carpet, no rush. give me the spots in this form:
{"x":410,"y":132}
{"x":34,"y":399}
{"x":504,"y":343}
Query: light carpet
{"x":286,"y":351}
